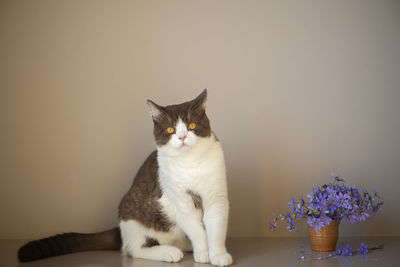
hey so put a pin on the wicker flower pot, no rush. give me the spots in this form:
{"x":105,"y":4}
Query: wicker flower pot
{"x":325,"y":239}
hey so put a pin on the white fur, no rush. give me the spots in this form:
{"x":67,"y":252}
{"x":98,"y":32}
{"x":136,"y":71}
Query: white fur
{"x":175,"y":146}
{"x":195,"y":164}
{"x":171,"y":244}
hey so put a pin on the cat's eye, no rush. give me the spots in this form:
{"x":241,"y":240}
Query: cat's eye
{"x":170,"y":130}
{"x":192,"y":126}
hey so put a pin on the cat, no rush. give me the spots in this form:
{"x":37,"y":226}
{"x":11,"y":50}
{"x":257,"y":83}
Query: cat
{"x":178,"y":201}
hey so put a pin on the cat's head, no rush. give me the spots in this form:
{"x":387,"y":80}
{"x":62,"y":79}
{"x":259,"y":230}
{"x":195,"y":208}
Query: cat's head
{"x":180,"y":127}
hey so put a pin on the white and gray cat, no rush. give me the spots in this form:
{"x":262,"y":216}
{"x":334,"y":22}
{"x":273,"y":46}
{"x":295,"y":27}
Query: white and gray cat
{"x":178,"y":200}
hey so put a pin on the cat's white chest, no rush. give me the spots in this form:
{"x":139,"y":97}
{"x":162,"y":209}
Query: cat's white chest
{"x":180,"y":176}
{"x":195,"y":171}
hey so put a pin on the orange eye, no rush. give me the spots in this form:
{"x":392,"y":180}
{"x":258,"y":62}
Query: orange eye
{"x":170,"y":130}
{"x":192,"y":126}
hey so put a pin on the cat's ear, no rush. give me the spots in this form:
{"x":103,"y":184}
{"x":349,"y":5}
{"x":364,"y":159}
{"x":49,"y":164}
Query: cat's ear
{"x":200,"y":101}
{"x":155,"y":110}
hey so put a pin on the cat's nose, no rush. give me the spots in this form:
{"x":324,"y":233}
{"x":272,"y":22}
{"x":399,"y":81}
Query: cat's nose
{"x":182,"y":137}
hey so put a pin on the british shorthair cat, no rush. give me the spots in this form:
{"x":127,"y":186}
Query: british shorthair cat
{"x":178,"y":200}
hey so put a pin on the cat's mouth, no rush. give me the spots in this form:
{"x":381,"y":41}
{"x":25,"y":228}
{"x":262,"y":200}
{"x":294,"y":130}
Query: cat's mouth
{"x":184,"y":145}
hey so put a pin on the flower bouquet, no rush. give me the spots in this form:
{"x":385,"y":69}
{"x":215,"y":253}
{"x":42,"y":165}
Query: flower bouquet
{"x":326,"y":207}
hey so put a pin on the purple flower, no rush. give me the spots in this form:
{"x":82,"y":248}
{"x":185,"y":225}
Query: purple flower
{"x":339,"y":251}
{"x":363,"y":216}
{"x":319,"y":222}
{"x":273,"y":225}
{"x":376,"y":207}
{"x":332,"y":201}
{"x":291,"y":202}
{"x":347,"y":251}
{"x":362,"y":249}
{"x":351,"y":219}
{"x":344,"y":251}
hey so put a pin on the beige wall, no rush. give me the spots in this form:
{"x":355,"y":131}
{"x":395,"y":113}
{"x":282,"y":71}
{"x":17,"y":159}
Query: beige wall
{"x":297,"y":89}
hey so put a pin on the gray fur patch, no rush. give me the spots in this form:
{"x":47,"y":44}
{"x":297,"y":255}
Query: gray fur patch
{"x":140,"y":203}
{"x":150,"y":242}
{"x":197,"y":201}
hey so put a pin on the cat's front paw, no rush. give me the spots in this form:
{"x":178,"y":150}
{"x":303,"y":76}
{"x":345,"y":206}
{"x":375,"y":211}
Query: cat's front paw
{"x":201,"y":257}
{"x":172,"y":254}
{"x":223,"y":259}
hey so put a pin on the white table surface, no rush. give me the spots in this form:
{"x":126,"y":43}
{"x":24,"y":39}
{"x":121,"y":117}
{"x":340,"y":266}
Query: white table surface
{"x":245,"y":251}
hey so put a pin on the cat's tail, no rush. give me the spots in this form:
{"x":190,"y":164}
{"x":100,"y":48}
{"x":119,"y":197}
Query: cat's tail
{"x":69,"y":243}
